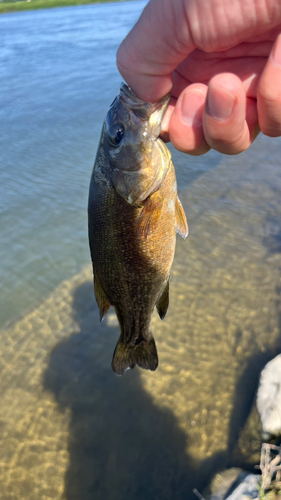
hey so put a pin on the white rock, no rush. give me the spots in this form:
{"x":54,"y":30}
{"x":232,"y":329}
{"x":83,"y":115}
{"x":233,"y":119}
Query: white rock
{"x":269,"y":398}
{"x":233,"y":484}
{"x":247,"y":489}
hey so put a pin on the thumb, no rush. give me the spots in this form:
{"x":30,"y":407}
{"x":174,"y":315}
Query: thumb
{"x":155,"y":46}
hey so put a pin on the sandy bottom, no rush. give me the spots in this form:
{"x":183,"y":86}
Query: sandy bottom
{"x":71,"y":429}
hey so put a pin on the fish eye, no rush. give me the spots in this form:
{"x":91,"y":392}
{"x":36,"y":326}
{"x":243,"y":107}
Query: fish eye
{"x":115,"y":134}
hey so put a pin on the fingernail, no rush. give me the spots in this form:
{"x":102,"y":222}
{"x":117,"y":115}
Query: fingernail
{"x":220,"y":103}
{"x":192,"y":107}
{"x":276,"y":53}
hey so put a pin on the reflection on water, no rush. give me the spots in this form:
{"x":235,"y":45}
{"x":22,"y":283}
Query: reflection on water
{"x":69,"y":428}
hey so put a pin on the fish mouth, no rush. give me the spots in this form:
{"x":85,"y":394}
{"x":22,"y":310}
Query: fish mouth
{"x":142,"y":109}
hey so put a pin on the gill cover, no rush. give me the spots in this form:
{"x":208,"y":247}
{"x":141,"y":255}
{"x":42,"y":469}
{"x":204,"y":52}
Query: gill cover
{"x":139,"y":160}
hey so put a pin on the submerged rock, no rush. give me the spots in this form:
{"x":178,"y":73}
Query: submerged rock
{"x":269,"y":399}
{"x":223,"y":483}
{"x":233,"y":484}
{"x":247,"y":489}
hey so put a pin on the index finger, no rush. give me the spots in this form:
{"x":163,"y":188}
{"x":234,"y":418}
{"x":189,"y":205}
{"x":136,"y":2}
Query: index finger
{"x":156,"y":45}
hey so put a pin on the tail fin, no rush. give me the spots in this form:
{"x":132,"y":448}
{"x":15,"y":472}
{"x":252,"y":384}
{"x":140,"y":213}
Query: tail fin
{"x":143,"y":354}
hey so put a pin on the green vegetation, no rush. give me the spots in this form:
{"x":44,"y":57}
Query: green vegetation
{"x":43,"y":4}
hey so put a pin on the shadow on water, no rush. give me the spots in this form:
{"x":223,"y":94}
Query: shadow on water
{"x":121,"y":446}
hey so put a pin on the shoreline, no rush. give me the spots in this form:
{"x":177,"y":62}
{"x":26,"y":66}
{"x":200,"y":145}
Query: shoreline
{"x":24,"y":5}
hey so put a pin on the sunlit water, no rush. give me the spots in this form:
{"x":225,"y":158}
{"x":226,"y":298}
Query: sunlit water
{"x":69,"y":428}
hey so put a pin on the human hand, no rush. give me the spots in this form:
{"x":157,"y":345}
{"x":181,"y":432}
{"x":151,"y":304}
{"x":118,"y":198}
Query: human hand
{"x":220,"y":63}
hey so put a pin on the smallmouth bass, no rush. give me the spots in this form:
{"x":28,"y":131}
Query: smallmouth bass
{"x":134,"y":213}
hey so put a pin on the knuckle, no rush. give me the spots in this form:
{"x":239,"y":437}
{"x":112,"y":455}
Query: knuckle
{"x":191,"y":147}
{"x":200,"y":150}
{"x":269,"y":94}
{"x":271,"y":129}
{"x":230,"y":147}
{"x":269,"y":114}
{"x":230,"y":140}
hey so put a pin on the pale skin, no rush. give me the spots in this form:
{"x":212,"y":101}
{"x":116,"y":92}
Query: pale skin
{"x":221,"y":61}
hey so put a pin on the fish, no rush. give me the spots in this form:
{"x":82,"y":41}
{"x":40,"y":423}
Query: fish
{"x":134,"y":214}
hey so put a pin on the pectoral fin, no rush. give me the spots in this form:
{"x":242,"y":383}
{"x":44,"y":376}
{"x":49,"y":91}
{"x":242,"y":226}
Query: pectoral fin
{"x":150,"y":215}
{"x":181,"y":223}
{"x":163,"y":302}
{"x":101,"y":298}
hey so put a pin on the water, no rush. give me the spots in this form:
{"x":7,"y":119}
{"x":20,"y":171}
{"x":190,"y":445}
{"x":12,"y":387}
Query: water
{"x":70,"y":429}
{"x":58,"y":77}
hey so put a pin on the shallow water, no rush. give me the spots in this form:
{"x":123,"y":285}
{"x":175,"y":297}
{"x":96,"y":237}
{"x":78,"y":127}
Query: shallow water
{"x":69,"y":428}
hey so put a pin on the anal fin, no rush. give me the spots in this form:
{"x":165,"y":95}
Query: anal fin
{"x":181,"y":223}
{"x":163,"y":302}
{"x":101,"y":298}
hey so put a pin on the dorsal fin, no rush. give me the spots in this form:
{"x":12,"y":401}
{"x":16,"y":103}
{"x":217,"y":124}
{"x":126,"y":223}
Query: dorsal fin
{"x":181,"y":223}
